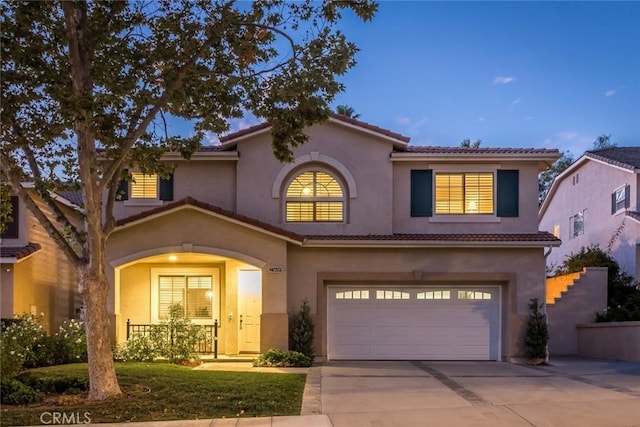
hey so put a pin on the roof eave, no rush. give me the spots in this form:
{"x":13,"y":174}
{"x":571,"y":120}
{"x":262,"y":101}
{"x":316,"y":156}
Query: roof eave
{"x":311,"y":243}
{"x":208,"y":212}
{"x":546,"y":159}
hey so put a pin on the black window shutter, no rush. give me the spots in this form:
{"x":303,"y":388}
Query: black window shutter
{"x":421,"y":192}
{"x":123,"y":190}
{"x":627,"y":196}
{"x":166,"y":188}
{"x":11,"y":228}
{"x":508,"y":192}
{"x":613,"y":203}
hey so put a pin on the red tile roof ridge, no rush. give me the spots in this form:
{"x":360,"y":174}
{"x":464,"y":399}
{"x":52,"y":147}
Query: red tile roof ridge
{"x":354,"y":122}
{"x":480,"y":150}
{"x":484,"y":237}
{"x":211,"y":208}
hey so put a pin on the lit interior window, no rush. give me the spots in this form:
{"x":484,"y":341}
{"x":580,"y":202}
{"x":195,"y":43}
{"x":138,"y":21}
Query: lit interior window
{"x":464,"y":193}
{"x":314,"y":197}
{"x":144,"y":186}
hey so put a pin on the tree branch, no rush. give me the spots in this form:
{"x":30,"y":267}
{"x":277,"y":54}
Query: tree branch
{"x":8,"y":168}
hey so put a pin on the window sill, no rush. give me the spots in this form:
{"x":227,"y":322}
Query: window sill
{"x":465,"y":218}
{"x":143,"y":202}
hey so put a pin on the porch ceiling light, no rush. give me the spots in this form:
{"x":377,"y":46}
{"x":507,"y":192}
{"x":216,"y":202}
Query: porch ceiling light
{"x":173,"y":258}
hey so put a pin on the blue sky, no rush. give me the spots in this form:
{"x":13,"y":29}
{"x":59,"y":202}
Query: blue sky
{"x":513,"y":74}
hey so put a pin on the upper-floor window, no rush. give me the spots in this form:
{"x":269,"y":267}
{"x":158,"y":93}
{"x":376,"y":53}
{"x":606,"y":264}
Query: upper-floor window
{"x":464,"y":193}
{"x":314,"y":196}
{"x":576,"y":223}
{"x":482,"y":195}
{"x":620,"y":199}
{"x":10,"y":227}
{"x":144,"y":188}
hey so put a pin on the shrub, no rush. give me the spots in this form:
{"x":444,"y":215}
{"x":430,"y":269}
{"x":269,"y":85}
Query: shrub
{"x":623,"y":295}
{"x":282,"y":359}
{"x":176,"y":338}
{"x":74,"y":341}
{"x":13,"y":392}
{"x":537,"y":335}
{"x":138,"y":348}
{"x":54,"y":385}
{"x":302,"y":331}
{"x":18,"y":344}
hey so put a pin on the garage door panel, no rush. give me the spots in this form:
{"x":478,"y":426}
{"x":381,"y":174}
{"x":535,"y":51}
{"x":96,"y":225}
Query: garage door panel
{"x":397,"y":325}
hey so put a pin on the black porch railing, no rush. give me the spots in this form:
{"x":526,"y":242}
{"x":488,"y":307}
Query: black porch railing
{"x":207,"y":345}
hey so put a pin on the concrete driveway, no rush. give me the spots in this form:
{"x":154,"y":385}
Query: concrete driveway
{"x":570,"y":392}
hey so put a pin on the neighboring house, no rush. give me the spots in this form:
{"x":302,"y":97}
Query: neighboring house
{"x":402,"y":252}
{"x":597,"y":201}
{"x":36,"y":277}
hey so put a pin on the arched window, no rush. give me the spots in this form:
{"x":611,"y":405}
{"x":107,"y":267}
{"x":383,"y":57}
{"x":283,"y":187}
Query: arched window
{"x":314,"y":196}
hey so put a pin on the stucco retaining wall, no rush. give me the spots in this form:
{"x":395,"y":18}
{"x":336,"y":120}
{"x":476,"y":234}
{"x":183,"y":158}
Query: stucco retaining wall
{"x":611,"y":340}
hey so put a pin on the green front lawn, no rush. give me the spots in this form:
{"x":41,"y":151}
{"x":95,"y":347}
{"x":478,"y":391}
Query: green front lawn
{"x":161,"y":391}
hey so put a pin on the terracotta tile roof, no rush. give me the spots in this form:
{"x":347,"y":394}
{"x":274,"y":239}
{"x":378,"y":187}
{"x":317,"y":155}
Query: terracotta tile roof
{"x":541,"y":236}
{"x":626,"y":157}
{"x":459,"y":150}
{"x":214,"y":209}
{"x":338,"y":117}
{"x":633,"y":215}
{"x":211,"y":148}
{"x":19,"y":252}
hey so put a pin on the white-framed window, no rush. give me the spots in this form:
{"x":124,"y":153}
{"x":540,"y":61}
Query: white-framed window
{"x":144,"y":186}
{"x":467,"y":193}
{"x":314,"y":196}
{"x":196,"y":290}
{"x":473,"y":295}
{"x":576,"y":224}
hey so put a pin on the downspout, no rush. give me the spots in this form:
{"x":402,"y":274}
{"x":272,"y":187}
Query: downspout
{"x":544,"y":306}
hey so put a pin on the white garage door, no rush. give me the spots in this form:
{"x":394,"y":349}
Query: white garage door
{"x":413,"y":323}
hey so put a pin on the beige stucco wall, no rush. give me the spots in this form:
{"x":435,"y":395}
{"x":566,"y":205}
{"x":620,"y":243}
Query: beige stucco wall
{"x":366,"y":158}
{"x":209,"y":181}
{"x":525,"y":222}
{"x":44,"y":281}
{"x":614,"y":340}
{"x":579,"y":304}
{"x":519,"y":272}
{"x":192,"y":231}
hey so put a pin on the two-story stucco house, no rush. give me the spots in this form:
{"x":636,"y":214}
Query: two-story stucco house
{"x":402,"y":252}
{"x":36,"y":278}
{"x":597,"y":201}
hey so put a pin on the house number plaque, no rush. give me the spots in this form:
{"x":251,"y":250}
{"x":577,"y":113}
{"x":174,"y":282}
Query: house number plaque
{"x":276,"y":269}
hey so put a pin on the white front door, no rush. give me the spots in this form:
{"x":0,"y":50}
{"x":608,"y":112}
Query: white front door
{"x":413,"y":323}
{"x":249,"y":310}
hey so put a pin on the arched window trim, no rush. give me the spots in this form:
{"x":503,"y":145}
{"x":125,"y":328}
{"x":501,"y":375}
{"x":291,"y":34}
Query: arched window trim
{"x":319,"y":168}
{"x":319,"y":160}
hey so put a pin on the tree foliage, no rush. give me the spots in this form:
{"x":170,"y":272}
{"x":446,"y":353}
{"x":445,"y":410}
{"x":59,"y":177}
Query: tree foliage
{"x":302,"y":331}
{"x":603,"y":141}
{"x":347,"y":111}
{"x":537,"y":335}
{"x":545,"y":179}
{"x":467,"y":143}
{"x":88,"y":90}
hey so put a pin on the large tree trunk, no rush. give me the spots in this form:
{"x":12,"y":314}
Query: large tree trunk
{"x":102,"y":374}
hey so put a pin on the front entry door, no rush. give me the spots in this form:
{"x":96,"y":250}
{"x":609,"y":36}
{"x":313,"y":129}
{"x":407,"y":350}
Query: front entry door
{"x":249,"y":310}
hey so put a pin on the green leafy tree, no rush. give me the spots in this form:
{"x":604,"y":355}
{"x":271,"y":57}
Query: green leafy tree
{"x":603,"y":141}
{"x":348,"y":111}
{"x":545,"y":179}
{"x":88,"y":88}
{"x":467,"y":143}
